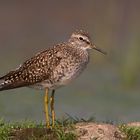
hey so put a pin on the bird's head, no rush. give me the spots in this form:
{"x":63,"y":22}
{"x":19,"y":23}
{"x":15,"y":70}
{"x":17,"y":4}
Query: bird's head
{"x":82,"y":39}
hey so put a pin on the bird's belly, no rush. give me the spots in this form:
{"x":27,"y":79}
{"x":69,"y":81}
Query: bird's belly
{"x":59,"y":80}
{"x":70,"y":75}
{"x":61,"y":77}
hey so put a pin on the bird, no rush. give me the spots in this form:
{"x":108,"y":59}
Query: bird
{"x":52,"y":68}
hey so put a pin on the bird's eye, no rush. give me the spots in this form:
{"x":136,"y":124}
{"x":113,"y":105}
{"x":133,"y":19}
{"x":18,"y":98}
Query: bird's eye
{"x":81,"y":38}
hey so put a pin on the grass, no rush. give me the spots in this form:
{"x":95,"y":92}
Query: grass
{"x":64,"y":130}
{"x":28,"y":130}
{"x":132,"y":133}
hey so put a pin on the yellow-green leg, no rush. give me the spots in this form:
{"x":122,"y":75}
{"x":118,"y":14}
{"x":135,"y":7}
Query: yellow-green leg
{"x":52,"y":108}
{"x":47,"y":108}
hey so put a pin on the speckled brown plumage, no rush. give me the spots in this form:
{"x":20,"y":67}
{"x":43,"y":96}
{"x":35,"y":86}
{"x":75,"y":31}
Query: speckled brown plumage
{"x":53,"y":67}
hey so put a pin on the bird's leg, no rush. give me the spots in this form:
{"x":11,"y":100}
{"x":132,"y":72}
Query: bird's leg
{"x":47,"y":108}
{"x":52,"y":107}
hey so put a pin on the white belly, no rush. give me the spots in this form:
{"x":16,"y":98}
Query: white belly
{"x":63,"y":74}
{"x":70,"y":75}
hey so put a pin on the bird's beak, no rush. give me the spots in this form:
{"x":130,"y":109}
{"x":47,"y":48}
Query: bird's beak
{"x":98,"y":49}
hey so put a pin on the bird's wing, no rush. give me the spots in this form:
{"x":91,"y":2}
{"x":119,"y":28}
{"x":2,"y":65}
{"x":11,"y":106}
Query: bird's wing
{"x":32,"y":71}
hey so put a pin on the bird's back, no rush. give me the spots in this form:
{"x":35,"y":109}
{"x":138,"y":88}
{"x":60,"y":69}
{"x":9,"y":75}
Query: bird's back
{"x":52,"y":65}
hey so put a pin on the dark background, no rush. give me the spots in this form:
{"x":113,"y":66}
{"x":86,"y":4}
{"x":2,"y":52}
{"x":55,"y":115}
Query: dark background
{"x":108,"y":89}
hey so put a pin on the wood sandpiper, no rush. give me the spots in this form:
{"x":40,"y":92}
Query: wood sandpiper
{"x":52,"y":68}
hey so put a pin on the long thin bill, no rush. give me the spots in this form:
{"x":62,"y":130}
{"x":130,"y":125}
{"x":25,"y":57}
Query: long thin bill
{"x":99,"y":50}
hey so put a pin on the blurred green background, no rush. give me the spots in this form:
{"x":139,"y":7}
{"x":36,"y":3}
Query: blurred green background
{"x":109,"y":89}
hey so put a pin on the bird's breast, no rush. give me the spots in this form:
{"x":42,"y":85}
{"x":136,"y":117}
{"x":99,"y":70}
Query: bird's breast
{"x":66,"y":71}
{"x":70,"y":69}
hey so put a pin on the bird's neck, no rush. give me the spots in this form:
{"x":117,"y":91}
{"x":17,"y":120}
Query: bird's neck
{"x":77,"y":44}
{"x":79,"y":51}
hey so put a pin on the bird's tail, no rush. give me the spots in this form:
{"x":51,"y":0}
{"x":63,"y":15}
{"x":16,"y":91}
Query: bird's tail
{"x":5,"y":84}
{"x":2,"y":84}
{"x":10,"y":81}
